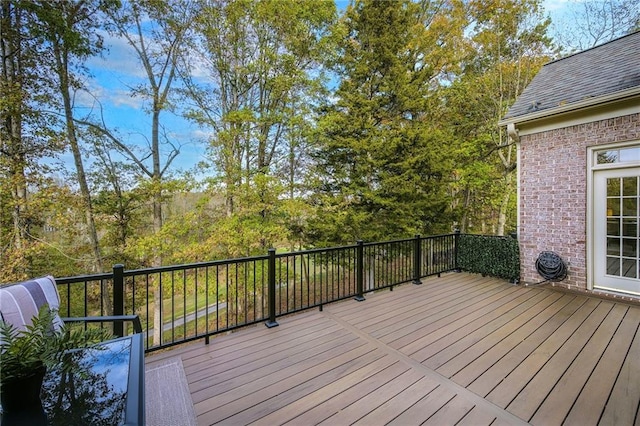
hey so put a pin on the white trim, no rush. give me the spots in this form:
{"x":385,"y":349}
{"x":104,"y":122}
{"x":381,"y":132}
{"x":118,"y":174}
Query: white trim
{"x":513,"y":132}
{"x":617,"y":291}
{"x":518,"y":170}
{"x":590,"y":226}
{"x":567,"y":108}
{"x":575,"y":118}
{"x":593,"y":168}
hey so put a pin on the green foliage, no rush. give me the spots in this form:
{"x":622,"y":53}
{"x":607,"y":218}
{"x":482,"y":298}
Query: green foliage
{"x":508,"y":45}
{"x":382,"y":166}
{"x":23,"y":352}
{"x":489,"y":255}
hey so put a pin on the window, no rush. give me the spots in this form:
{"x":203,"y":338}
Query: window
{"x":616,"y":156}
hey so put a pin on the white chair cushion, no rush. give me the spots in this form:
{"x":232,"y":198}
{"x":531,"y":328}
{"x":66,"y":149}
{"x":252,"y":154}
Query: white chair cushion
{"x":20,"y":302}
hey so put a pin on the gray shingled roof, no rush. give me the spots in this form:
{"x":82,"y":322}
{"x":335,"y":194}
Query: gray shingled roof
{"x":604,"y":69}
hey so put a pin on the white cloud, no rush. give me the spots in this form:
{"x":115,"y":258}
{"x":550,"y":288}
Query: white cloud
{"x":553,"y":6}
{"x":124,"y":98}
{"x":97,"y":95}
{"x":202,"y":135}
{"x":119,"y":58}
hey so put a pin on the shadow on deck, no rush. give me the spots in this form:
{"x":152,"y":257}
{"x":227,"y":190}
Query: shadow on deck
{"x":460,"y":349}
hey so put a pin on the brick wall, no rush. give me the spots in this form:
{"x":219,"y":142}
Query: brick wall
{"x":553,"y":185}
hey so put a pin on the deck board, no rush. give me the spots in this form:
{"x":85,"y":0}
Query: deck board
{"x":470,"y":327}
{"x":327,"y":404}
{"x":454,"y":411}
{"x":509,"y":389}
{"x":623,"y":404}
{"x":451,"y":340}
{"x":556,"y":364}
{"x":471,"y":350}
{"x":451,"y":323}
{"x":590,"y":404}
{"x":509,"y":354}
{"x":397,"y":404}
{"x":559,"y":400}
{"x":458,"y":349}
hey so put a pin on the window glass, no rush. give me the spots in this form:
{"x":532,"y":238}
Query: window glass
{"x":629,"y":268}
{"x":630,"y":227}
{"x":613,"y":187}
{"x":629,"y":154}
{"x":629,"y":186}
{"x":629,"y":247}
{"x":607,"y":157}
{"x":613,"y":207}
{"x":630,"y":206}
{"x":622,"y":155}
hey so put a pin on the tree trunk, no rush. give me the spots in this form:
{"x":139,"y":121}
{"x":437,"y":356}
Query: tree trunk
{"x":504,"y":204}
{"x":13,"y":146}
{"x":157,"y":216}
{"x":63,"y":73}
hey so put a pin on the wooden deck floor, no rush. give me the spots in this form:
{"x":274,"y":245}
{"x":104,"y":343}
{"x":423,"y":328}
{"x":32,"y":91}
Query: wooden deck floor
{"x":460,"y":349}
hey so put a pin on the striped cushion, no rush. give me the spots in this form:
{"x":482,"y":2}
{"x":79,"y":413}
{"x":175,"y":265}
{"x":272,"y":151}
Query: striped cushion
{"x":20,"y":302}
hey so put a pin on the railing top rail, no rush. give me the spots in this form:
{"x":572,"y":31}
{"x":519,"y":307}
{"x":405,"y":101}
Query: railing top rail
{"x":379,"y":243}
{"x":405,"y":240}
{"x":169,"y":268}
{"x":431,"y":237}
{"x":316,"y":250}
{"x":365,"y":244}
{"x":510,"y":236}
{"x":80,"y":278}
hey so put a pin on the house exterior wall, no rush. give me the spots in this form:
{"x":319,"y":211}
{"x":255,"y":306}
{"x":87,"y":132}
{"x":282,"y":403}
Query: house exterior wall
{"x":553,"y":192}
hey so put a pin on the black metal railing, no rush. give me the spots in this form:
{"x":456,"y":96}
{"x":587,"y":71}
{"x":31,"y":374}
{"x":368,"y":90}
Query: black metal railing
{"x":181,"y":303}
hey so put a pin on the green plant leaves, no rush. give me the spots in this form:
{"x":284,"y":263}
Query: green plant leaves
{"x":22,"y":352}
{"x":489,"y":255}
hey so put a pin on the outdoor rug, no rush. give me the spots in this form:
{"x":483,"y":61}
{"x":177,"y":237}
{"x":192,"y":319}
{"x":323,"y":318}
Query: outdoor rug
{"x":167,"y":396}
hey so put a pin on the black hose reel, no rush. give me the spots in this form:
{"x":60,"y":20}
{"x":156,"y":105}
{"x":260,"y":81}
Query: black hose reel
{"x":551,"y":266}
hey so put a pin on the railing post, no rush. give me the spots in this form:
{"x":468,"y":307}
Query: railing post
{"x":271,"y":288}
{"x":417,"y":260}
{"x":360,"y":271}
{"x":118,"y":298}
{"x":456,"y":244}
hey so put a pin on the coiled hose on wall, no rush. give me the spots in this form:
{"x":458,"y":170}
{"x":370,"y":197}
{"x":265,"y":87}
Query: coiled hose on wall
{"x":551,"y":266}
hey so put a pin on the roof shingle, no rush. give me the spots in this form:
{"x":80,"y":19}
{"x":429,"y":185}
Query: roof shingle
{"x":601,"y":70}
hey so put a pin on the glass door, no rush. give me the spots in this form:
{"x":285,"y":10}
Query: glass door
{"x":616,"y":232}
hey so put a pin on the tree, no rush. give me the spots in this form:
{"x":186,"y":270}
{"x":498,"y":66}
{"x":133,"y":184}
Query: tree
{"x":69,"y":30}
{"x":509,"y":45}
{"x":592,"y":22}
{"x":258,"y":64}
{"x":118,"y":200}
{"x":156,"y":31}
{"x":23,"y":138}
{"x":382,"y":165}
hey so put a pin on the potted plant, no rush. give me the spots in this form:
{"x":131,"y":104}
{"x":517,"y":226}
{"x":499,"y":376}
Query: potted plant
{"x":26,"y":355}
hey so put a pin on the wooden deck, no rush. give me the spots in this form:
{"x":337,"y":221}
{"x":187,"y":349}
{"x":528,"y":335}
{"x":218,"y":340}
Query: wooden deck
{"x":460,"y":349}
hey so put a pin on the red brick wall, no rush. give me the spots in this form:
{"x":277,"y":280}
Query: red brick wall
{"x":553,"y":185}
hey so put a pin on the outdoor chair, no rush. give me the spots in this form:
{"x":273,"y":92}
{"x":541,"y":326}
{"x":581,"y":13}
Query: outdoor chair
{"x":20,"y":302}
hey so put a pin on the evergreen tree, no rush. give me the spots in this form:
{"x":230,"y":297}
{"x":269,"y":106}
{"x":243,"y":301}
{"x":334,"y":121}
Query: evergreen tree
{"x":382,"y":166}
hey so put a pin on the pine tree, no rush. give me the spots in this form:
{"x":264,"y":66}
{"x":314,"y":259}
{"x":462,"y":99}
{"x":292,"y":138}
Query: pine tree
{"x":382,"y":168}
